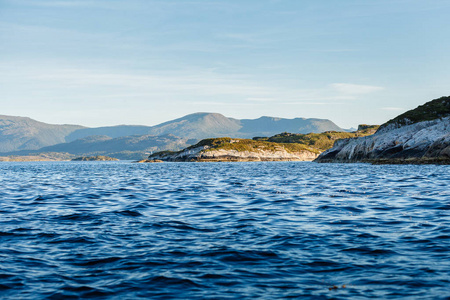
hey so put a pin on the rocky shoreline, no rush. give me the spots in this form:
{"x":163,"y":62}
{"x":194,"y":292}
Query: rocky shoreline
{"x":235,"y":156}
{"x":236,"y":150}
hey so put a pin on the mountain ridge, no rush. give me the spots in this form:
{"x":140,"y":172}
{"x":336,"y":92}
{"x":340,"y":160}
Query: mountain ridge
{"x":203,"y":125}
{"x":30,"y":134}
{"x":126,"y":147}
{"x":23,"y":133}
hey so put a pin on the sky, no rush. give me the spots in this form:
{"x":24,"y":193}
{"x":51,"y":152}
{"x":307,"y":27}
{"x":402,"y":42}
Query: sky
{"x":144,"y":62}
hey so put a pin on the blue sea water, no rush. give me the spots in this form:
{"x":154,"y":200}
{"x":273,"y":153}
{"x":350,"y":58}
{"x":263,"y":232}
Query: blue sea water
{"x":271,"y":230}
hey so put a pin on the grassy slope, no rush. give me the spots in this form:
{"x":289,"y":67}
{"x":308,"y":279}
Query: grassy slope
{"x":320,"y":141}
{"x":434,"y":109}
{"x":227,"y":143}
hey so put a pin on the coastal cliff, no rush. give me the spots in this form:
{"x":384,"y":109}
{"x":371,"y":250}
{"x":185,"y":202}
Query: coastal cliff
{"x":421,"y":135}
{"x":228,"y":149}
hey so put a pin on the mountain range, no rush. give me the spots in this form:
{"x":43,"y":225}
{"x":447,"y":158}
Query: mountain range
{"x":205,"y":125}
{"x":18,"y":134}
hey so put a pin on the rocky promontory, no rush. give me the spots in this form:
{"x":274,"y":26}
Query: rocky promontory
{"x":228,"y":149}
{"x":95,"y":158}
{"x":421,"y":135}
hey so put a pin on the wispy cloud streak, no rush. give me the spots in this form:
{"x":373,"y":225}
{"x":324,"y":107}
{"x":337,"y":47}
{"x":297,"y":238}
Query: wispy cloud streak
{"x":355,"y":89}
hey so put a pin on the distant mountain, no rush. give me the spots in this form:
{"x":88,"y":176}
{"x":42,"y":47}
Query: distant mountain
{"x":269,"y":126}
{"x":110,"y":131}
{"x":19,"y":133}
{"x":198,"y":126}
{"x":206,"y":125}
{"x":129,"y":147}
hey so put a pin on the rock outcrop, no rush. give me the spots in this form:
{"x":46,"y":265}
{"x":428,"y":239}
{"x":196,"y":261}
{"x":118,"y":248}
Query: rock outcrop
{"x":95,"y":158}
{"x":227,"y":149}
{"x":421,"y":135}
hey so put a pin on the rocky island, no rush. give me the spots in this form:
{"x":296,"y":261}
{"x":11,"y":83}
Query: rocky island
{"x":95,"y":158}
{"x":281,"y":147}
{"x":421,"y":135}
{"x":228,"y":149}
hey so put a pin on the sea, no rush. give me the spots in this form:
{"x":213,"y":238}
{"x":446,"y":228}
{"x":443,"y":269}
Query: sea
{"x":247,"y":230}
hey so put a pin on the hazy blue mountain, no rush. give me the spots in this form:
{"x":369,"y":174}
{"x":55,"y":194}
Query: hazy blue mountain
{"x":111,"y":131}
{"x":198,"y":126}
{"x":269,"y":126}
{"x":128,"y":147}
{"x":20,"y":133}
{"x":206,"y":125}
{"x":17,"y":133}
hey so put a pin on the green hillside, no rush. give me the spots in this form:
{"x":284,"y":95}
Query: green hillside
{"x":227,"y":143}
{"x":319,"y":141}
{"x":431,"y":110}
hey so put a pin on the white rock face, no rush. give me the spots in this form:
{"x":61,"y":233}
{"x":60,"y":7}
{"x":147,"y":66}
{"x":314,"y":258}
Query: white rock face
{"x":262,"y":155}
{"x":428,"y":139}
{"x":199,"y":154}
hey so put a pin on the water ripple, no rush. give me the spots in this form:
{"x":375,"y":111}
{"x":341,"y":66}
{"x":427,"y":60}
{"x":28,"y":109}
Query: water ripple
{"x":119,"y":230}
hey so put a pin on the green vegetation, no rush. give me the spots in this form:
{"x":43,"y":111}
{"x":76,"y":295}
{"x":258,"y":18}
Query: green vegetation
{"x":252,"y":145}
{"x":364,"y":129}
{"x":320,"y":141}
{"x":435,"y":109}
{"x":226,"y":143}
{"x":163,"y":154}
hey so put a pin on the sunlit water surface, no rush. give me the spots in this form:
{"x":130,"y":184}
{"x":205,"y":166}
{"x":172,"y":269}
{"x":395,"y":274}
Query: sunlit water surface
{"x":118,"y":230}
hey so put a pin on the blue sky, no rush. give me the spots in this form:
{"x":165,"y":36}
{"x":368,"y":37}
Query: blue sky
{"x":109,"y":62}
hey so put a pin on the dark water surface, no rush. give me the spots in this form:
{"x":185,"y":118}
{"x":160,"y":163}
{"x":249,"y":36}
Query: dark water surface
{"x":119,"y":230}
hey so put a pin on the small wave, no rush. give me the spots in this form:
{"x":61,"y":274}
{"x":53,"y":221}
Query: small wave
{"x":128,"y":213}
{"x":83,"y":291}
{"x":370,"y":251}
{"x":2,"y":233}
{"x":179,"y":226}
{"x":241,"y":256}
{"x":99,"y":261}
{"x":76,"y":217}
{"x":173,"y":282}
{"x":73,"y":240}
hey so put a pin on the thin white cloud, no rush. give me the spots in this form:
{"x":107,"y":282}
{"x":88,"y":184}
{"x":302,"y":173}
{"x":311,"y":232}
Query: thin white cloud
{"x":197,"y":86}
{"x":168,"y":83}
{"x":260,"y":99}
{"x":355,"y":89}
